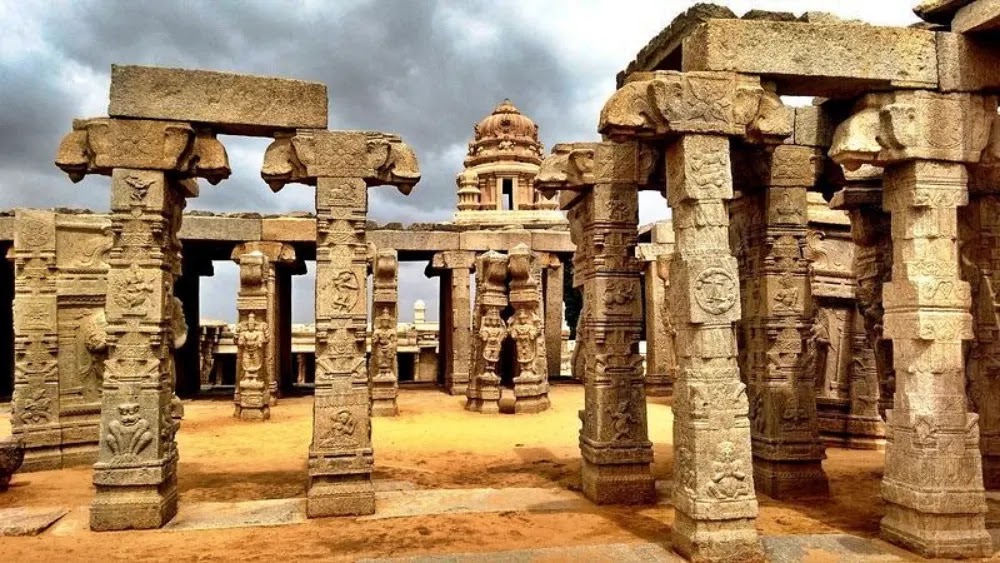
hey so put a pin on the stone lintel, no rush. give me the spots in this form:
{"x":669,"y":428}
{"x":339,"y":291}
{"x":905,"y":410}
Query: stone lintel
{"x":939,"y":11}
{"x":978,"y":17}
{"x":236,"y":104}
{"x":494,"y":240}
{"x":404,"y":240}
{"x":453,"y":260}
{"x":239,"y":229}
{"x":813,"y":127}
{"x":288,"y":229}
{"x":7,"y":224}
{"x":834,"y":60}
{"x":968,"y":63}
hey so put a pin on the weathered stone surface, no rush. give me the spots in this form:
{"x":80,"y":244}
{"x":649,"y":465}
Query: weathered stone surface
{"x":939,"y":11}
{"x":828,"y":60}
{"x":237,"y":104}
{"x":28,"y":521}
{"x":11,"y":458}
{"x":978,"y":17}
{"x":526,"y":329}
{"x":489,"y":330}
{"x":236,"y":229}
{"x":968,"y":63}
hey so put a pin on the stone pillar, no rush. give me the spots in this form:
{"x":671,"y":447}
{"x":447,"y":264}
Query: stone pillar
{"x":714,"y":491}
{"x":383,"y":369}
{"x":35,"y":416}
{"x":150,"y":163}
{"x":614,"y":441}
{"x":455,"y":320}
{"x":208,"y":341}
{"x":342,"y":165}
{"x":769,"y":231}
{"x":661,"y":358}
{"x":553,"y":291}
{"x":188,"y":290}
{"x":526,"y":329}
{"x":489,"y":331}
{"x":933,"y":483}
{"x":258,"y":335}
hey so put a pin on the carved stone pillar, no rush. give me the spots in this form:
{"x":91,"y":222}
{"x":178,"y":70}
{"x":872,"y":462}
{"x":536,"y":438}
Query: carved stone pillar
{"x":489,"y":331}
{"x":527,"y":331}
{"x":553,"y":305}
{"x":188,"y":291}
{"x":661,"y":358}
{"x":695,"y":113}
{"x":35,"y":417}
{"x":933,"y":483}
{"x":342,"y":164}
{"x":206,"y":351}
{"x":769,"y":232}
{"x":383,"y":369}
{"x":136,"y":472}
{"x":455,"y":335}
{"x":258,"y":333}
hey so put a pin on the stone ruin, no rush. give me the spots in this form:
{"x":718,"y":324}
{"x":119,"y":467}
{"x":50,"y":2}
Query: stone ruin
{"x":787,"y":326}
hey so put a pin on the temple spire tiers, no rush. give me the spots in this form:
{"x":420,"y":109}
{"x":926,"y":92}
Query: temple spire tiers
{"x":258,"y":332}
{"x":497,"y":187}
{"x":151,"y":164}
{"x":342,"y":165}
{"x":768,"y":233}
{"x":692,"y":116}
{"x":933,"y":483}
{"x":383,"y":368}
{"x":598,"y":184}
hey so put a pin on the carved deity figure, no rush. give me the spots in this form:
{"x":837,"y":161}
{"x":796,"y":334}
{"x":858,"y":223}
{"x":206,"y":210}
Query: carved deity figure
{"x":729,"y":480}
{"x":786,"y":298}
{"x":129,"y":434}
{"x":384,"y":343}
{"x":525,"y":328}
{"x":92,"y":348}
{"x":492,"y":333}
{"x":251,"y":336}
{"x":817,"y":348}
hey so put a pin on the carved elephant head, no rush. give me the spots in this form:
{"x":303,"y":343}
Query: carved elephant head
{"x":855,"y":142}
{"x":394,"y":163}
{"x":570,"y":165}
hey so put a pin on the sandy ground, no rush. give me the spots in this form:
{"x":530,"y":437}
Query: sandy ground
{"x":433,"y":443}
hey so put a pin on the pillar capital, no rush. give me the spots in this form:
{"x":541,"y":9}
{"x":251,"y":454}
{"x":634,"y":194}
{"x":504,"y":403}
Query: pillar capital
{"x":98,"y":146}
{"x":453,"y":260}
{"x":656,"y":105}
{"x":378,"y":158}
{"x":272,"y":252}
{"x":906,"y":125}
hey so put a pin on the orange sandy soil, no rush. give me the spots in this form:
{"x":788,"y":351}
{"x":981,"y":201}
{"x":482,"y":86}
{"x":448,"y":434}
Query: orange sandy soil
{"x":434,"y":443}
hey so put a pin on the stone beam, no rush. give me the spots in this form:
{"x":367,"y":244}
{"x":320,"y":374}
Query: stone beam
{"x":968,"y":63}
{"x":833,"y":60}
{"x":977,"y":17}
{"x":218,"y":228}
{"x":939,"y":11}
{"x":236,"y":104}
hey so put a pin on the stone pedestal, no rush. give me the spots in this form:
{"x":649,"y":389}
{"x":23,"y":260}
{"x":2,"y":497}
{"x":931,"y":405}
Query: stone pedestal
{"x":489,"y":331}
{"x":383,"y":368}
{"x":779,"y":339}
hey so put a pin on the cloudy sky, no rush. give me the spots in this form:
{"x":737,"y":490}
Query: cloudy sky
{"x":425,"y":69}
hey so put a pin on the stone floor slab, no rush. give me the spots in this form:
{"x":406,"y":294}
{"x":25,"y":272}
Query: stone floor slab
{"x":401,"y":504}
{"x":247,"y":514}
{"x":839,"y":548}
{"x":28,"y":521}
{"x":603,"y":553}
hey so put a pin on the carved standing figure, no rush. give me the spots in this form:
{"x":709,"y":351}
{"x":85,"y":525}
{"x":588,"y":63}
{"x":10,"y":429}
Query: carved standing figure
{"x":384,"y":344}
{"x":251,"y":336}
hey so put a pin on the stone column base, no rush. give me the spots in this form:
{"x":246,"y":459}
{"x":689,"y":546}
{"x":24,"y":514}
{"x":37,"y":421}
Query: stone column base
{"x":139,"y":507}
{"x":385,"y":407}
{"x":790,"y":479}
{"x":533,"y":404}
{"x":624,"y":483}
{"x":253,"y":413}
{"x":457,"y":388}
{"x":659,"y":388}
{"x":719,"y":541}
{"x":42,"y":458}
{"x":340,"y":497}
{"x":484,"y":406}
{"x":943,"y":536}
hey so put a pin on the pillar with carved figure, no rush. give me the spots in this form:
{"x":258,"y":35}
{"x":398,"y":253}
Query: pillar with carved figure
{"x":383,"y":369}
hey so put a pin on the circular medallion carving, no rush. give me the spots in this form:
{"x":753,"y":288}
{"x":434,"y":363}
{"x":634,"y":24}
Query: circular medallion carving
{"x":715,"y":291}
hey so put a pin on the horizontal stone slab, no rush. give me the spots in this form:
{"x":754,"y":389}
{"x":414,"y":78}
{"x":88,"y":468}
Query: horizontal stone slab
{"x":238,"y":104}
{"x":980,"y":16}
{"x":28,"y":521}
{"x":830,"y":60}
{"x":968,"y":64}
